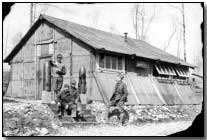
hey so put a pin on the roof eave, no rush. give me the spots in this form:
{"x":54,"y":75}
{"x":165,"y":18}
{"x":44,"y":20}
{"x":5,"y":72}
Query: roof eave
{"x":21,"y":42}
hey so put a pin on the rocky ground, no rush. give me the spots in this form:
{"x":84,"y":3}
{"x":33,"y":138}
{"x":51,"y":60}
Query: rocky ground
{"x":141,"y":114}
{"x":24,"y":118}
{"x":32,"y":118}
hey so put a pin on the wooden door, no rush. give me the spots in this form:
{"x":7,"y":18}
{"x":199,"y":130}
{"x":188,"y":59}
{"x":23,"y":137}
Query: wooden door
{"x":42,"y":61}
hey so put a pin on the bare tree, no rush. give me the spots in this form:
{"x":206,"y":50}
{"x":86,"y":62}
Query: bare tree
{"x":142,"y":20}
{"x":94,"y":18}
{"x":172,"y":34}
{"x":182,"y":13}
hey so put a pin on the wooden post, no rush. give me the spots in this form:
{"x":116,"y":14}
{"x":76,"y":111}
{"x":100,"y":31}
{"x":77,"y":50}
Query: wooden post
{"x":47,"y":78}
{"x":71,"y":59}
{"x":23,"y":71}
{"x":36,"y":67}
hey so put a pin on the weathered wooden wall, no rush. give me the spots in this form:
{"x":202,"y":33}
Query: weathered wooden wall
{"x":81,"y":56}
{"x":26,"y":69}
{"x":132,"y":68}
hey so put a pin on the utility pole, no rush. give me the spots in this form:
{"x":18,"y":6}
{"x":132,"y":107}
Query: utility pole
{"x":184,"y":41}
{"x":31,"y":14}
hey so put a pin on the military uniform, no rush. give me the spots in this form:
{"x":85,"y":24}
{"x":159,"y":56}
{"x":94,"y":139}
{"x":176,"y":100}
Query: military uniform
{"x":58,"y":72}
{"x":118,"y":98}
{"x":68,"y":99}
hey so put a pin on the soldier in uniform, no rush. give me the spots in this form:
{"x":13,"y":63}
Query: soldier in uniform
{"x":58,"y":72}
{"x":68,"y":99}
{"x":118,"y":98}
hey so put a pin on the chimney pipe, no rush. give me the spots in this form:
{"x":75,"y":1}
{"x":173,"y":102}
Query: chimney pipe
{"x":125,"y":37}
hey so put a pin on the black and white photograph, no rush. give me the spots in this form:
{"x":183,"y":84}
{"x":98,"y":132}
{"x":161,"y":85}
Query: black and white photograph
{"x":102,"y":69}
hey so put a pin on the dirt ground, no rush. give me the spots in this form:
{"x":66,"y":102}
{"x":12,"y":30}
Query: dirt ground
{"x":151,"y":129}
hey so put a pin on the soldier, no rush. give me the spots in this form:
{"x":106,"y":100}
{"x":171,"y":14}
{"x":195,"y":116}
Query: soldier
{"x":58,"y":72}
{"x":118,"y":98}
{"x":68,"y":99}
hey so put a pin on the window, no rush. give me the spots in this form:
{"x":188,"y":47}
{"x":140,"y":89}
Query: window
{"x":45,"y":49}
{"x":120,"y":63}
{"x":114,"y":63}
{"x":165,"y":70}
{"x":108,"y":62}
{"x":101,"y":60}
{"x":168,"y":70}
{"x":182,"y":72}
{"x":111,"y":62}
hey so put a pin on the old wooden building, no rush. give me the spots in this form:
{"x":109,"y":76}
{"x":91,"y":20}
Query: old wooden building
{"x":152,"y":75}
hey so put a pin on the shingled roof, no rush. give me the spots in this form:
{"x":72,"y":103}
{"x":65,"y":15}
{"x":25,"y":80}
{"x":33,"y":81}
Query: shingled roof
{"x":98,"y":39}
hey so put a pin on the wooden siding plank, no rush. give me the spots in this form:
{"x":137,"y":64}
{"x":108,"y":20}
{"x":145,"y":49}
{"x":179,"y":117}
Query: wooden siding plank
{"x":44,"y":32}
{"x":17,"y":88}
{"x":188,"y":95}
{"x":17,"y":73}
{"x":95,"y":93}
{"x":79,"y":61}
{"x":168,"y":93}
{"x":29,"y":70}
{"x":29,"y":89}
{"x":28,"y":53}
{"x":63,"y":47}
{"x":144,"y":89}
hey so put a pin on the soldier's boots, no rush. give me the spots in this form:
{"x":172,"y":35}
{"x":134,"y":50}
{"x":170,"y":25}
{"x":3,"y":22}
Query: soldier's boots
{"x":121,"y":120}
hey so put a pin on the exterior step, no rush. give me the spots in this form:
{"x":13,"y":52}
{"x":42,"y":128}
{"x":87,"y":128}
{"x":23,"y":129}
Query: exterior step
{"x":88,"y":118}
{"x":54,"y":108}
{"x":72,"y":124}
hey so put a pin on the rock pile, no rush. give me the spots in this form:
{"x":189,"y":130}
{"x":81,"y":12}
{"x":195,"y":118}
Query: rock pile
{"x":28,"y":119}
{"x":139,"y":114}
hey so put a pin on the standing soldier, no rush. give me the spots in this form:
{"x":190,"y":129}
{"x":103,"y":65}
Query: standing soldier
{"x":119,"y":97}
{"x":58,"y":72}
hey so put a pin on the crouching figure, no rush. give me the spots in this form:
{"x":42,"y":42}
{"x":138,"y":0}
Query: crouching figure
{"x":118,"y":100}
{"x":68,"y":99}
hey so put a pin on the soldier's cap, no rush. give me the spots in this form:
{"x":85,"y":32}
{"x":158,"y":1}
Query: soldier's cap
{"x":120,"y":75}
{"x":59,"y":56}
{"x":66,"y":86}
{"x":73,"y":82}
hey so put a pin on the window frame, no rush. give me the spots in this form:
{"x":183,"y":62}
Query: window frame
{"x":110,"y":57}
